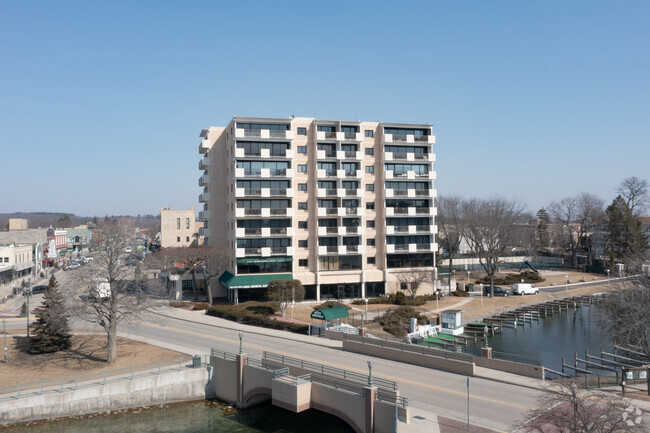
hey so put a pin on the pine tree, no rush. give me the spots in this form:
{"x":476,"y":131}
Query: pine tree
{"x":51,"y":331}
{"x":626,"y":242}
{"x":543,"y":234}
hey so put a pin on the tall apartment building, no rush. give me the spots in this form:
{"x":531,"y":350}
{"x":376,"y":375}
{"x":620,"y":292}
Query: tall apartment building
{"x":344,"y":207}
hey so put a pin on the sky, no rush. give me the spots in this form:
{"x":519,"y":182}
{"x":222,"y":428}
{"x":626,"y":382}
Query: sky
{"x":102,"y":103}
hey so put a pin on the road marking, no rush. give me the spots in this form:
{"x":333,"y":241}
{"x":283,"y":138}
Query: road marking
{"x":434,"y":387}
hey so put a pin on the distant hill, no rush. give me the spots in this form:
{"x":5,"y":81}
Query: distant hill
{"x":63,"y":220}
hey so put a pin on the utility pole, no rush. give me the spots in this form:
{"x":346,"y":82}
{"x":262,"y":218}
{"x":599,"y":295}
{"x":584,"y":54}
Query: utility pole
{"x":4,"y":331}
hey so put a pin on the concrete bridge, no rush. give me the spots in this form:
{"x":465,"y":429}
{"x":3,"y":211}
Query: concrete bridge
{"x":367,"y":404}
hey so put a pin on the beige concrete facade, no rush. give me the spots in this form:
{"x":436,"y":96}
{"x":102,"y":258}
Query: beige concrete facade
{"x":346,"y":205}
{"x":17,"y":224}
{"x":179,"y":228}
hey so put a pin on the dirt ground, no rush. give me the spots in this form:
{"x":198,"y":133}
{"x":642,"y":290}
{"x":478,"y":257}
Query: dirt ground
{"x":87,"y":354}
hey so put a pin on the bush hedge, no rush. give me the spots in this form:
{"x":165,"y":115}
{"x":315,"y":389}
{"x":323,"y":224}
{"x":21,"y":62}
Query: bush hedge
{"x":255,"y":314}
{"x":200,"y":306}
{"x":527,"y":276}
{"x":460,"y":293}
{"x":330,"y":304}
{"x":398,"y":321}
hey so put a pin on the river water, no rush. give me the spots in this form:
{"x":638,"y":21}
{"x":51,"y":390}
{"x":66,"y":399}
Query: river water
{"x":554,"y":337}
{"x":193,"y":417}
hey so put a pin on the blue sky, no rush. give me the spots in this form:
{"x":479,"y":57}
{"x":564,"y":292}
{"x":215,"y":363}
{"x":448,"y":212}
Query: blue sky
{"x":101,"y":103}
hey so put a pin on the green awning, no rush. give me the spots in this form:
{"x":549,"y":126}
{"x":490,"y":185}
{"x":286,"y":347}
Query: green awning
{"x":265,"y":260}
{"x":330,"y":313}
{"x":250,"y":281}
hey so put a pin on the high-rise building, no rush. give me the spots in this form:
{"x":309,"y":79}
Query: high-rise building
{"x":347,"y":208}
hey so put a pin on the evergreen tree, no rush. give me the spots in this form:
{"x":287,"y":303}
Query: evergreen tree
{"x":543,"y":234}
{"x":51,"y":331}
{"x":626,"y":243}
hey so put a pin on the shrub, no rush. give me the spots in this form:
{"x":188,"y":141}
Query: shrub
{"x":398,"y":321}
{"x":527,"y":276}
{"x":253,"y":313}
{"x":200,"y":306}
{"x":262,"y":310}
{"x":460,"y":293}
{"x":178,"y":304}
{"x":330,"y":304}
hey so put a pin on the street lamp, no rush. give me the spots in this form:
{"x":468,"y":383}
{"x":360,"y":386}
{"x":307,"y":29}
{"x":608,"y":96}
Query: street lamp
{"x":27,"y":293}
{"x":366,"y":300}
{"x":607,"y":276}
{"x":369,"y":372}
{"x":566,"y":287}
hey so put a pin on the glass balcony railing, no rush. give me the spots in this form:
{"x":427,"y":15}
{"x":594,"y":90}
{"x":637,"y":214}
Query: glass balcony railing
{"x":332,"y":230}
{"x":352,"y":230}
{"x":278,"y":212}
{"x":253,"y":232}
{"x":351,"y":210}
{"x":249,"y":211}
{"x":251,"y":251}
{"x":401,"y":247}
{"x":278,"y":231}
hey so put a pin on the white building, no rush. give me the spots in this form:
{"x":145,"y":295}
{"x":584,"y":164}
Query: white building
{"x":342,"y":206}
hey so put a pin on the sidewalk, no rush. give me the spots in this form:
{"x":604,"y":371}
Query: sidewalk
{"x":9,"y":304}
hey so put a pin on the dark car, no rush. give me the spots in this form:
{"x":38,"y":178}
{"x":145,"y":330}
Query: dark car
{"x":498,"y":291}
{"x":38,"y":289}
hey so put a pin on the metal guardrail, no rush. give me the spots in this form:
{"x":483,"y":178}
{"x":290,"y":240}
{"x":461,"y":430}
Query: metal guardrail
{"x":224,"y":355}
{"x":281,"y":372}
{"x":392,"y":399}
{"x":516,"y":358}
{"x":99,"y":378}
{"x":415,"y":348}
{"x":331,"y":371}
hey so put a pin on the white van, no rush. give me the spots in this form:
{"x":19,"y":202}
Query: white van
{"x":524,"y":289}
{"x":100,"y":289}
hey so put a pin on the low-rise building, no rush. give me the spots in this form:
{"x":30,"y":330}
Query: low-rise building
{"x":17,"y":224}
{"x":179,"y":228}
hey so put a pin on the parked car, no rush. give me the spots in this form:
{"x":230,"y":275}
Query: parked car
{"x":128,"y":249}
{"x":71,"y":266}
{"x":524,"y":289}
{"x":38,"y":289}
{"x":498,"y":291}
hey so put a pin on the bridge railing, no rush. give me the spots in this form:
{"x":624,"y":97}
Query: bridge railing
{"x":228,"y":356}
{"x":391,"y":398}
{"x":416,"y":348}
{"x":330,"y":371}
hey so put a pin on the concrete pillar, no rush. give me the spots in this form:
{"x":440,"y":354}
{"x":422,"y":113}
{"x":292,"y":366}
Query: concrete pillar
{"x":369,"y":398}
{"x":363,"y":332}
{"x":486,"y":352}
{"x":241,"y":360}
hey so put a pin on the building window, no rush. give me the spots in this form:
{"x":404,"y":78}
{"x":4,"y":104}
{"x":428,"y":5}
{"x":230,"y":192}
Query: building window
{"x":371,"y":260}
{"x":370,"y":169}
{"x":370,"y":187}
{"x":302,"y":168}
{"x":302,"y":224}
{"x":370,"y":205}
{"x":370,"y":223}
{"x":302,"y":205}
{"x":302,"y":187}
{"x":178,"y":239}
{"x":187,"y":223}
{"x":303,"y":262}
{"x":187,"y":238}
{"x":369,"y":133}
{"x":302,"y":131}
{"x":370,"y":242}
{"x":302,"y":149}
{"x":370,"y":151}
{"x":302,"y":244}
{"x":178,"y":223}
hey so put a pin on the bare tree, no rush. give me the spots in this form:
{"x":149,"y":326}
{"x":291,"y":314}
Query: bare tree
{"x":635,"y":193}
{"x":412,"y":281}
{"x":207,"y":262}
{"x":628,"y":318}
{"x":576,"y":217}
{"x":285,"y":292}
{"x":564,"y":407}
{"x":489,"y":230}
{"x":123,"y":301}
{"x":449,"y":223}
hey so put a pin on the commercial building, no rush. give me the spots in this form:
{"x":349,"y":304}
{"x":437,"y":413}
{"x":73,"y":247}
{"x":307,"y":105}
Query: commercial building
{"x":347,"y":208}
{"x":178,"y":228}
{"x":18,"y":224}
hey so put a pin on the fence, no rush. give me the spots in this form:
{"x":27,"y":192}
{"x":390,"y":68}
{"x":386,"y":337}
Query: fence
{"x":331,"y":371}
{"x":99,"y":378}
{"x":392,"y":399}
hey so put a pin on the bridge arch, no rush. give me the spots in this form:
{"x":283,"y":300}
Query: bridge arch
{"x":337,"y":413}
{"x":256,"y":396}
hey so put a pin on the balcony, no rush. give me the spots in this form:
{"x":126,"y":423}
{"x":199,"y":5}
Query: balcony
{"x":352,"y":230}
{"x":204,"y":214}
{"x":423,"y":229}
{"x":352,"y":249}
{"x":353,"y":193}
{"x":263,"y":133}
{"x":204,"y":180}
{"x":321,"y":192}
{"x":324,"y":135}
{"x":325,"y":231}
{"x":323,"y":154}
{"x":349,"y":154}
{"x":409,"y":138}
{"x":204,"y":163}
{"x":204,"y":197}
{"x":252,"y":232}
{"x":351,"y":211}
{"x":321,"y":174}
{"x":279,"y":251}
{"x":204,"y":146}
{"x":352,"y":136}
{"x":204,"y":231}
